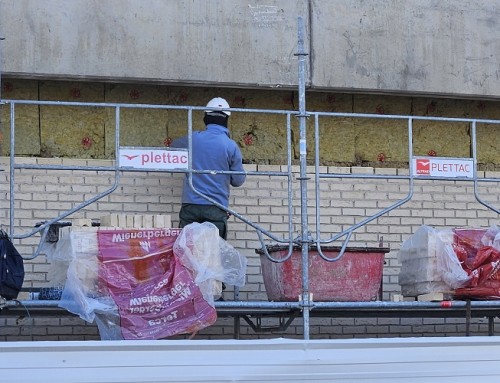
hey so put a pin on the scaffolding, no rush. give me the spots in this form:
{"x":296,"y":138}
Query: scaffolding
{"x":253,"y":311}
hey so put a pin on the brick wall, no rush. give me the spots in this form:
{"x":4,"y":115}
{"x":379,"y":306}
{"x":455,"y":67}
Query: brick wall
{"x":42,"y":194}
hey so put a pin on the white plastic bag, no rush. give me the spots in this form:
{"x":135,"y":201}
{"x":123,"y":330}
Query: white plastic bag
{"x":429,"y":263}
{"x":211,"y":259}
{"x":448,"y":264}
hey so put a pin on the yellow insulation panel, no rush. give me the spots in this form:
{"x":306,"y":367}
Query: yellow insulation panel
{"x":89,"y":132}
{"x":72,"y":131}
{"x":27,"y":134}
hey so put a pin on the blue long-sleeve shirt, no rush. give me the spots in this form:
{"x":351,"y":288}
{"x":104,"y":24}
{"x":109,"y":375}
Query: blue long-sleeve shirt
{"x":213,"y":149}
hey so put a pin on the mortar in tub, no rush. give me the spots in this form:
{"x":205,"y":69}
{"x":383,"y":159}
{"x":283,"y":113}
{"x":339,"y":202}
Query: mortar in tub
{"x":355,"y":277}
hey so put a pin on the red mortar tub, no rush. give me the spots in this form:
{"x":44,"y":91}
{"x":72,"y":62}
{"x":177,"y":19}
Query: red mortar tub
{"x":355,"y":277}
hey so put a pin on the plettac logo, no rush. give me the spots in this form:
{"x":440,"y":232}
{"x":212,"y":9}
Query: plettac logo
{"x":423,"y":166}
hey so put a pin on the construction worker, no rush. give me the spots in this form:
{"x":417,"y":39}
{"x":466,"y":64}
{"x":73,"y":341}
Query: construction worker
{"x":212,"y":149}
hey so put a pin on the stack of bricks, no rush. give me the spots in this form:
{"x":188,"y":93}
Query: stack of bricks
{"x":142,"y":221}
{"x":420,"y":275}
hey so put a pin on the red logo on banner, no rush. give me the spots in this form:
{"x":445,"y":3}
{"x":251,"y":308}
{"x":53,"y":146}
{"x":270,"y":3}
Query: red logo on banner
{"x":423,"y":166}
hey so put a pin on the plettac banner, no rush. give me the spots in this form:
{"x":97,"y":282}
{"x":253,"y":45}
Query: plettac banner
{"x":443,"y":167}
{"x":155,"y":294}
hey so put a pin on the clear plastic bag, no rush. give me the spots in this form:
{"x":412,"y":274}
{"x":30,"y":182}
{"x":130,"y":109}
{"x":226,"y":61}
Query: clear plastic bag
{"x":429,"y":263}
{"x":211,"y":259}
{"x":448,"y":264}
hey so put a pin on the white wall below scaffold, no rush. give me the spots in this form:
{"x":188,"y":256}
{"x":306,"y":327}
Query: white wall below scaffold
{"x":280,"y":360}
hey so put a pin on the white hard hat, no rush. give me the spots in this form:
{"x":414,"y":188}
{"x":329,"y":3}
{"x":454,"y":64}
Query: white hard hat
{"x":218,"y":102}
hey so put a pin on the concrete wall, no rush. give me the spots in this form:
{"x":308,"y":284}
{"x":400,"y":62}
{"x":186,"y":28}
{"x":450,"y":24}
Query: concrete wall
{"x":425,"y":46}
{"x":197,"y":42}
{"x":450,"y":47}
{"x":42,"y":194}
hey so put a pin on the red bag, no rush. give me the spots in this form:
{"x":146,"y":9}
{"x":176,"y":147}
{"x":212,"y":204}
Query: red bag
{"x":484,"y":269}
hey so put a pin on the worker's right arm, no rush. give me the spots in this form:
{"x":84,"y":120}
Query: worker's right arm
{"x":236,"y":164}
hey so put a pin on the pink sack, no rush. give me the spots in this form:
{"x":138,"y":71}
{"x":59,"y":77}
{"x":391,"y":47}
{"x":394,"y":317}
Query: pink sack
{"x":155,"y":295}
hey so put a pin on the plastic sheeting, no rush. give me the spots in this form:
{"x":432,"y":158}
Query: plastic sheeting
{"x":146,"y":283}
{"x":211,"y":259}
{"x":480,"y":258}
{"x":461,"y":261}
{"x":429,"y":264}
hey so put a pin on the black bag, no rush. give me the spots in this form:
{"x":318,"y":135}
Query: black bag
{"x":11,"y":268}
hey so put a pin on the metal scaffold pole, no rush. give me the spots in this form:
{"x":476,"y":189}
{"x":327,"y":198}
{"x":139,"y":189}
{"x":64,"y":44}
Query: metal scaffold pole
{"x":302,"y":116}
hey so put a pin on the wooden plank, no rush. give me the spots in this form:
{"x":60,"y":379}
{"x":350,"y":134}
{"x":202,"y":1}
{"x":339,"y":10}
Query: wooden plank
{"x":81,"y":222}
{"x":434,"y":297}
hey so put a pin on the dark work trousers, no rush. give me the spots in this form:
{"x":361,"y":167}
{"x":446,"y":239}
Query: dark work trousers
{"x":204,"y":213}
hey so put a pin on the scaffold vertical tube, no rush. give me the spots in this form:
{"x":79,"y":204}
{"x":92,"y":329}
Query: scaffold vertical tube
{"x":303,"y":179}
